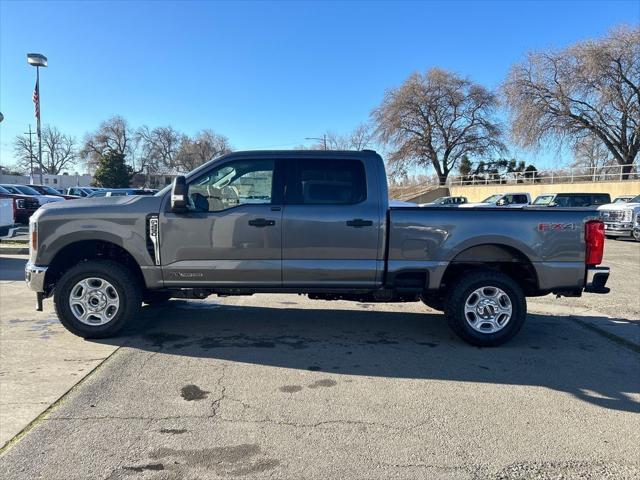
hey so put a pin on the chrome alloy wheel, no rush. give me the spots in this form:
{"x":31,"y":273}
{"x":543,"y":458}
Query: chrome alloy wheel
{"x":488,"y":309}
{"x":94,"y":301}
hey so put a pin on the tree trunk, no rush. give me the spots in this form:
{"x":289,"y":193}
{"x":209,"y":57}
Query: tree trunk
{"x":442,"y":179}
{"x":627,"y":170}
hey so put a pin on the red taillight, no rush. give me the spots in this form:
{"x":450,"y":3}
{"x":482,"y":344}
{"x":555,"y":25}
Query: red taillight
{"x":594,"y":238}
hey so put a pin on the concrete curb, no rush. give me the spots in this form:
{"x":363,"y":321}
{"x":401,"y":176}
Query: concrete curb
{"x":14,"y":250}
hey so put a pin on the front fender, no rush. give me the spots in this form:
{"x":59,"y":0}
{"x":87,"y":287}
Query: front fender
{"x":129,"y":235}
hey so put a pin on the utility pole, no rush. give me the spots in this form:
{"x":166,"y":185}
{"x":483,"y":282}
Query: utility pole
{"x":31,"y":134}
{"x":323,"y":139}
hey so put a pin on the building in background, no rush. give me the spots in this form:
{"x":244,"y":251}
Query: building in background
{"x":56,"y":181}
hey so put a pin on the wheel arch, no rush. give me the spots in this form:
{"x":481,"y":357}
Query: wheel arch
{"x":83,"y":250}
{"x":499,"y":257}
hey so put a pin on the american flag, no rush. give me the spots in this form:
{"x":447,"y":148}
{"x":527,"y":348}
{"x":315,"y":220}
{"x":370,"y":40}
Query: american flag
{"x":36,"y":100}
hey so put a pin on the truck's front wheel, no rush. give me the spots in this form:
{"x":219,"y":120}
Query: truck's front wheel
{"x":95,"y":299}
{"x":485,"y":308}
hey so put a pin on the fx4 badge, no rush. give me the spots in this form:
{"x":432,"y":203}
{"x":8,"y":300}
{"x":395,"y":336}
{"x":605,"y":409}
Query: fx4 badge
{"x":557,"y":227}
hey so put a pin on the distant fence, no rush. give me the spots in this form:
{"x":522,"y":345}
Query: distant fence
{"x":614,"y":173}
{"x":574,"y":175}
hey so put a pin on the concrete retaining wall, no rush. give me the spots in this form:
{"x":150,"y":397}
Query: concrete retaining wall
{"x":476,"y":193}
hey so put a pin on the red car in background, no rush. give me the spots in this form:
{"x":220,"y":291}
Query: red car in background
{"x":23,"y":205}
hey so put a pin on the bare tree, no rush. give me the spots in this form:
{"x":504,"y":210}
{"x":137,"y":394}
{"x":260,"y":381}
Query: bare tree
{"x":591,"y":156}
{"x":113,"y":135}
{"x":159,"y":147}
{"x":590,"y":88}
{"x":359,"y":139}
{"x":58,"y":151}
{"x":24,"y":150}
{"x":435,"y":119}
{"x":196,"y":151}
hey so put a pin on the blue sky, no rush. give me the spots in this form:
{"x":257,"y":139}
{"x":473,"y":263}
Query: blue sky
{"x":265,"y":74}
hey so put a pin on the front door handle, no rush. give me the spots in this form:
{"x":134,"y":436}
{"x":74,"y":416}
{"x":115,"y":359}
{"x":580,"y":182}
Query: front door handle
{"x":261,"y":222}
{"x":358,"y":222}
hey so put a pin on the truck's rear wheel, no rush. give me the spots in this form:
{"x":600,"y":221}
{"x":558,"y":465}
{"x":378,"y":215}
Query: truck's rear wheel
{"x":95,"y":299}
{"x":485,"y":308}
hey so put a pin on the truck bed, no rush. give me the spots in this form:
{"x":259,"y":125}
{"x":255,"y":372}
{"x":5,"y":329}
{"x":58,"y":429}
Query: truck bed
{"x":552,"y":240}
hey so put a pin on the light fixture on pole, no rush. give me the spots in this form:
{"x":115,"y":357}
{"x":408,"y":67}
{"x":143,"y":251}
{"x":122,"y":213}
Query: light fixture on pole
{"x":322,"y":139}
{"x":37,"y":60}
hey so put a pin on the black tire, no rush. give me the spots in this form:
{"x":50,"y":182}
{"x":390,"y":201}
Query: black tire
{"x":435,"y":302}
{"x":461,"y":291}
{"x":151,"y":297}
{"x":123,"y":281}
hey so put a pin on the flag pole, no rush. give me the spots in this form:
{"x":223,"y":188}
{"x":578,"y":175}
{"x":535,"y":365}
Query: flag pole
{"x":38,"y":119}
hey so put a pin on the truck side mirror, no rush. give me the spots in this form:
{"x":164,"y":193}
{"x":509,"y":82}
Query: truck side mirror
{"x":179,"y":195}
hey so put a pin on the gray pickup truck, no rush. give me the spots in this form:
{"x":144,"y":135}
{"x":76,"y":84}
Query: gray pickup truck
{"x":306,"y":222}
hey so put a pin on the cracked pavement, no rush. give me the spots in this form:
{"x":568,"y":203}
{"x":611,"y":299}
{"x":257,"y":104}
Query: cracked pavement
{"x":277,"y":386}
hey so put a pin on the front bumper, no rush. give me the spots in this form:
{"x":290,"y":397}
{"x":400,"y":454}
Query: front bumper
{"x":596,"y":280}
{"x":618,"y":229}
{"x":34,"y":275}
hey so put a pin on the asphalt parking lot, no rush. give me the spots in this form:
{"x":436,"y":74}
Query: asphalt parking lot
{"x":277,"y":386}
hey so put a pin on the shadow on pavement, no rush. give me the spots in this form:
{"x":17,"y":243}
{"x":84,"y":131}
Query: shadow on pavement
{"x":550,"y":352}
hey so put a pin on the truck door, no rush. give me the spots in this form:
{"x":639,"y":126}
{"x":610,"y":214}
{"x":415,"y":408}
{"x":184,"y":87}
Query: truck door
{"x":234,"y":238}
{"x":331,"y":224}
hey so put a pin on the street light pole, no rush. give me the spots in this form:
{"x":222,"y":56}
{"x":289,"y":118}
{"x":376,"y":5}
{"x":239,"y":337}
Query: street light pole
{"x":38,"y":60}
{"x":39,"y":132}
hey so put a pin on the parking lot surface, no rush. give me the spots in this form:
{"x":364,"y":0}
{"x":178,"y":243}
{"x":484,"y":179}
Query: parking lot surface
{"x":277,"y":386}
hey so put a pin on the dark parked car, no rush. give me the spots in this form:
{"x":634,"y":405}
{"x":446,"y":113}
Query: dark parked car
{"x":47,"y":190}
{"x":572,"y":199}
{"x":23,"y":205}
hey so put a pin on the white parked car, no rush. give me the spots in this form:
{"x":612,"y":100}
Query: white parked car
{"x":621,"y":219}
{"x":504,"y":200}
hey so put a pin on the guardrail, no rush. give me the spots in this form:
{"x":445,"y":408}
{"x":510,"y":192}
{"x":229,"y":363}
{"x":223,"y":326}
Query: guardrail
{"x":586,"y":174}
{"x":611,"y":173}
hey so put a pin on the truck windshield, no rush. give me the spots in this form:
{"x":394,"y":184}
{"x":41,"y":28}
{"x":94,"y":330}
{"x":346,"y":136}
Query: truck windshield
{"x":635,"y":199}
{"x":543,"y":200}
{"x":492,"y":199}
{"x":27,"y":190}
{"x":48,"y":190}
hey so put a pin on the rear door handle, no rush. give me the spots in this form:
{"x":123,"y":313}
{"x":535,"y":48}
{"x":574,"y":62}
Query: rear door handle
{"x":261,"y":222}
{"x":358,"y":222}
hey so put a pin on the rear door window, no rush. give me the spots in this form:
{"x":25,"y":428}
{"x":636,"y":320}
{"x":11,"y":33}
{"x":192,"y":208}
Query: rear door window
{"x":326,"y":182}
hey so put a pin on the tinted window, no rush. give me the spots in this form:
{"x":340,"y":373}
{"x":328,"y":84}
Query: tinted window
{"x":601,"y":199}
{"x":26,"y":190}
{"x":520,"y":199}
{"x":235,"y":183}
{"x":327,"y":182}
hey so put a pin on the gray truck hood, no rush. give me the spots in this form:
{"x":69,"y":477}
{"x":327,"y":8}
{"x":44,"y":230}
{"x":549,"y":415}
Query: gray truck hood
{"x":93,"y":207}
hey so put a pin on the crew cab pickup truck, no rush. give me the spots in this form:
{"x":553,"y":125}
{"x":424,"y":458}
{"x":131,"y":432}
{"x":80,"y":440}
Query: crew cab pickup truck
{"x":622,"y":219}
{"x":306,"y":222}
